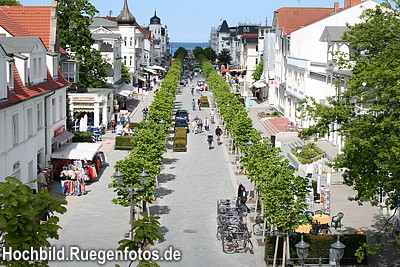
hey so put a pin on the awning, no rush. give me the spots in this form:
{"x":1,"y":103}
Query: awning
{"x":77,"y":151}
{"x":260,"y":83}
{"x":63,"y":137}
{"x":237,"y":70}
{"x":155,"y":67}
{"x":225,"y":70}
{"x":139,"y":77}
{"x":127,"y":90}
{"x":150,"y":70}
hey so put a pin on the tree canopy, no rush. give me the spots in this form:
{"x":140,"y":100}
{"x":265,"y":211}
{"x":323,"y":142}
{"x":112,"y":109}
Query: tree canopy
{"x":224,"y":57}
{"x":259,"y":70}
{"x":9,"y":3}
{"x":74,"y":19}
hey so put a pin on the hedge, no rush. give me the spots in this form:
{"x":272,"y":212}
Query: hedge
{"x":204,"y":99}
{"x":319,"y":248}
{"x":83,"y":137}
{"x":123,"y":142}
{"x":180,"y":139}
{"x":134,"y":125}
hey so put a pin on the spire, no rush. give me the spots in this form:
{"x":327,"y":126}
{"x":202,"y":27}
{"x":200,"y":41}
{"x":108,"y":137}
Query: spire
{"x":155,"y":19}
{"x":125,"y":17}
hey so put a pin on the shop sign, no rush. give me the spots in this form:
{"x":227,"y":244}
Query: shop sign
{"x":59,"y":130}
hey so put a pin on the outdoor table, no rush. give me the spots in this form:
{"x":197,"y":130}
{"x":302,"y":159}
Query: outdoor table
{"x":305,"y":228}
{"x":322,"y":218}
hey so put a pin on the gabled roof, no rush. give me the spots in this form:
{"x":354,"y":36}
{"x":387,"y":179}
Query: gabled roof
{"x":224,"y":27}
{"x":32,"y":21}
{"x":22,"y":93}
{"x":290,"y":19}
{"x":333,"y":33}
{"x":249,"y":35}
{"x":103,"y":22}
{"x":19,"y":44}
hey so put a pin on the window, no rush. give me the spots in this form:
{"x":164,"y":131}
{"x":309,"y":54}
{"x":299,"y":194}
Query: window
{"x":130,"y":41}
{"x":10,"y":81}
{"x":35,"y":70}
{"x":125,"y":41}
{"x":61,"y":106}
{"x":257,"y":48}
{"x":125,"y":60}
{"x":26,"y":74}
{"x":29,"y":115}
{"x":70,"y":70}
{"x":15,"y":138}
{"x":256,"y":61}
{"x":55,"y":67}
{"x":40,"y":69}
{"x":39,"y":110}
{"x":53,"y":109}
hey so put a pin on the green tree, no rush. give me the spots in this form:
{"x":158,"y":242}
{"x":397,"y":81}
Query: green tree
{"x":224,"y":57}
{"x":210,"y":54}
{"x":198,"y":51}
{"x":180,"y":51}
{"x":74,"y":19}
{"x":126,"y":75}
{"x":9,"y":3}
{"x":259,"y":70}
{"x":367,"y":112}
{"x":20,"y":215}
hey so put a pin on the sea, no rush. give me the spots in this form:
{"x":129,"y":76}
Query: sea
{"x":186,"y":45}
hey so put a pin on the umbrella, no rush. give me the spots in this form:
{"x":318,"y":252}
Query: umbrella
{"x":155,"y":67}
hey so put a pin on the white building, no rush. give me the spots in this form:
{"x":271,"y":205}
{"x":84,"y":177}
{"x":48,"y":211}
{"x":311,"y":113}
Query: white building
{"x":160,"y":38}
{"x":32,"y":106}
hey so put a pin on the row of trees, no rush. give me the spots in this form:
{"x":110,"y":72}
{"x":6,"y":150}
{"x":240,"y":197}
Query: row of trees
{"x":366,"y":111}
{"x":224,"y":57}
{"x":282,"y":193}
{"x":147,"y":155}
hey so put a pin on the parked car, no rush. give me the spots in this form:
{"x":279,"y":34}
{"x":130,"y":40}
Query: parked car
{"x":200,"y":83}
{"x":182,"y":122}
{"x":182,"y":113}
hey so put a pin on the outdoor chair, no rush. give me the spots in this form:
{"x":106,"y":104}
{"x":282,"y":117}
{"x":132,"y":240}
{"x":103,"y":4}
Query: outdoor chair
{"x":337,"y":220}
{"x":318,"y":212}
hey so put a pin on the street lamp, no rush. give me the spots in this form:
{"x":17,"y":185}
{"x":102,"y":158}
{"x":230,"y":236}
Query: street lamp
{"x":302,"y":250}
{"x":338,"y":251}
{"x":162,"y":123}
{"x":249,"y":144}
{"x":119,"y":176}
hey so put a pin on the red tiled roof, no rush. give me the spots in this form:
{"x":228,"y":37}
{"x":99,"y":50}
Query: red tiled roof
{"x":249,"y":35}
{"x":33,"y":21}
{"x":22,"y":93}
{"x":290,"y":19}
{"x":10,"y":25}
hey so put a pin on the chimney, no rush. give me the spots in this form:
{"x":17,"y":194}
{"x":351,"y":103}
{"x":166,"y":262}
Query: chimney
{"x":350,"y":3}
{"x":336,"y":6}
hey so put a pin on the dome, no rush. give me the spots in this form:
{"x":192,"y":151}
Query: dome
{"x":125,"y":17}
{"x":155,"y":19}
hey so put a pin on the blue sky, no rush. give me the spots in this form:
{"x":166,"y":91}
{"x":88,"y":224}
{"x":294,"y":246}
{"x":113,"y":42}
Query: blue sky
{"x":191,"y":21}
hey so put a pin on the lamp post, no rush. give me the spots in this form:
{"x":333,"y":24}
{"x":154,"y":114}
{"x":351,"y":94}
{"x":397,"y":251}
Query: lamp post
{"x":119,"y":176}
{"x":162,"y":123}
{"x":338,"y":251}
{"x":302,"y":250}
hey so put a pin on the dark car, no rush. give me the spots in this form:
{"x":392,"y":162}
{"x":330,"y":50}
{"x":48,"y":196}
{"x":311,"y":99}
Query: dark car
{"x":182,"y":113}
{"x":182,"y":122}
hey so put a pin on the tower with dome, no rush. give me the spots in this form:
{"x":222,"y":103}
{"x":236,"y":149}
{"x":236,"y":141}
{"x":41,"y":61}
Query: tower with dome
{"x":159,"y":35}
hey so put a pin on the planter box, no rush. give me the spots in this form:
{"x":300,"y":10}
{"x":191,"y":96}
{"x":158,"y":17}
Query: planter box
{"x":180,"y":140}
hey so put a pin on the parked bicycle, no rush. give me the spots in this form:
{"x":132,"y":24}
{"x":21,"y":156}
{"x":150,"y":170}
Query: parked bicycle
{"x":238,"y":242}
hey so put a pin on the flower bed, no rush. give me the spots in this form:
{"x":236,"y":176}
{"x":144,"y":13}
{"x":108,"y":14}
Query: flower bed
{"x":308,"y":153}
{"x":180,"y":139}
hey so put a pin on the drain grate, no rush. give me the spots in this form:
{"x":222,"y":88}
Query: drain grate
{"x":190,"y":231}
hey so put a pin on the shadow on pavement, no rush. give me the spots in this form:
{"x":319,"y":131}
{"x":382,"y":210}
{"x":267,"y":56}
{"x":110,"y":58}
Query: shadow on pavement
{"x":159,"y":210}
{"x":163,"y":230}
{"x":161,"y":192}
{"x":165,"y":177}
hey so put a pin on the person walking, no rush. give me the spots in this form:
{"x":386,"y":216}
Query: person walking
{"x":212,"y":116}
{"x":193,"y":104}
{"x":206,"y":123}
{"x":242,"y":197}
{"x":200,"y":125}
{"x":113,"y":125}
{"x":145,"y":111}
{"x":218,"y":133}
{"x":210,"y":139}
{"x":199,"y":103}
{"x":193,"y":124}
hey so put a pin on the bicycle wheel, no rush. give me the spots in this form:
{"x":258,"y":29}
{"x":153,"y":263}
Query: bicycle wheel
{"x":220,"y":229}
{"x":229,"y":246}
{"x":258,"y":229}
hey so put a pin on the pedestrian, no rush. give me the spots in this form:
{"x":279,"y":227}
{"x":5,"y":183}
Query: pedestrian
{"x":122,"y":120}
{"x":193,"y":123}
{"x":218,"y":133}
{"x":113,"y":125}
{"x":145,"y":111}
{"x":206,"y":123}
{"x":242,"y":197}
{"x":212,"y":116}
{"x":193,"y":104}
{"x":199,"y":103}
{"x":200,"y":125}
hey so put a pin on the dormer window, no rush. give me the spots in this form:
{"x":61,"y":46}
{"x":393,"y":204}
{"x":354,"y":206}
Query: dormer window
{"x":55,"y":67}
{"x":10,"y":76}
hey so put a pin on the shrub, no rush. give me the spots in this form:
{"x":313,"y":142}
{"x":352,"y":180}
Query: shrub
{"x":83,"y":137}
{"x":180,"y":133}
{"x":123,"y":142}
{"x":134,"y":125}
{"x":180,"y":139}
{"x":204,"y":99}
{"x":306,"y":154}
